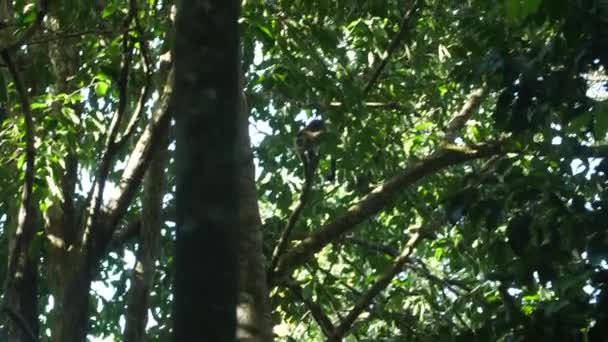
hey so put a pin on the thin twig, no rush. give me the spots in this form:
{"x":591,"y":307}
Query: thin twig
{"x":315,"y":309}
{"x":370,"y":104}
{"x":147,"y":89}
{"x":291,"y":223}
{"x":374,"y":246}
{"x":418,"y":265}
{"x":380,"y":284}
{"x":69,"y":35}
{"x":328,"y":275}
{"x":394,"y":44}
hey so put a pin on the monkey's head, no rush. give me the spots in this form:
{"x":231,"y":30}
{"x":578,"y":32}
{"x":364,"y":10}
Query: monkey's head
{"x":310,"y":134}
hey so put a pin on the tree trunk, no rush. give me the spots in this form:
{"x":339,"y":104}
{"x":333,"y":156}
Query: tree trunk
{"x":206,"y":101}
{"x":253,"y":311}
{"x":147,"y":250}
{"x":71,"y":312}
{"x":69,"y":265}
{"x":21,"y":291}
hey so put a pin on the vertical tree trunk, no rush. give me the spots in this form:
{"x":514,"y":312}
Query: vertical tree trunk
{"x":206,"y":100}
{"x":21,"y":279}
{"x":71,"y":311}
{"x":148,"y":248}
{"x":21,"y":304}
{"x":69,"y":264}
{"x":253,"y":312}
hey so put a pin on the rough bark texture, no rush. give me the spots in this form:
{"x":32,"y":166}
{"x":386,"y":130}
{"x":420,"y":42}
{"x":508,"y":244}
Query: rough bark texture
{"x":71,"y":263}
{"x":21,"y":278}
{"x":21,"y":292}
{"x":69,"y":273}
{"x":207,"y":198}
{"x":147,"y":250}
{"x":253,"y":311}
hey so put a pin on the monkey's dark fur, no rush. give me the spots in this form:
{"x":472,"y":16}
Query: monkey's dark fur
{"x":307,"y":145}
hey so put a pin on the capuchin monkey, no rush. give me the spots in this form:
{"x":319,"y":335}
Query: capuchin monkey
{"x":307,"y":145}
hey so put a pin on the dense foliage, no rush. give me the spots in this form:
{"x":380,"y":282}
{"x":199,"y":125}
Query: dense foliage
{"x":469,"y":139}
{"x":518,"y":241}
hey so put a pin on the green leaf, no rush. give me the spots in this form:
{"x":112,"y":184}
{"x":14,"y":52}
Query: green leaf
{"x":267,"y":34}
{"x":70,"y":114}
{"x":38,"y":105}
{"x":101,"y":88}
{"x":107,"y":12}
{"x":29,"y":18}
{"x":520,"y":9}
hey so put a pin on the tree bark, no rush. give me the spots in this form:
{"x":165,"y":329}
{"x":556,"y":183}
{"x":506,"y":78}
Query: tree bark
{"x":69,"y":273}
{"x":253,"y":312}
{"x":72,"y":264}
{"x":206,"y":100}
{"x":147,"y":250}
{"x":21,"y":278}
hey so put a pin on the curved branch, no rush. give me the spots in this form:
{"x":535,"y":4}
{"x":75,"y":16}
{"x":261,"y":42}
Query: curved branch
{"x":377,"y":200}
{"x":465,"y":113}
{"x":151,"y":139}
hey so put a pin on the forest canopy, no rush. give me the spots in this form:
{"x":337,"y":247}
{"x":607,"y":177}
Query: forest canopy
{"x":457,"y":191}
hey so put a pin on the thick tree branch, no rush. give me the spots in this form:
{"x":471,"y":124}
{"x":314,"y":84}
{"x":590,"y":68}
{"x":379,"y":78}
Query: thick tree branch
{"x":378,"y":199}
{"x":95,"y":196}
{"x":128,"y":233}
{"x":394,"y":44}
{"x":139,"y":111}
{"x":26,"y":211}
{"x":465,"y":113}
{"x":382,"y":195}
{"x":148,"y":248}
{"x":151,"y":139}
{"x":561,"y":151}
